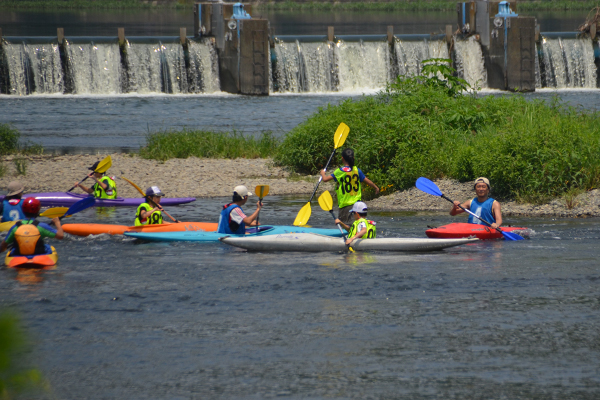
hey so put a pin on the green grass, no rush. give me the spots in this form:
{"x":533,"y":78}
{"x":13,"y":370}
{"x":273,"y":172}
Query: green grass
{"x":9,"y":143}
{"x":90,"y":4}
{"x":530,"y":150}
{"x":195,"y":143}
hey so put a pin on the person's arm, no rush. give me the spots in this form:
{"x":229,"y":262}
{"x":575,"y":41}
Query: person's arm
{"x":146,"y":214}
{"x":370,"y":183}
{"x":346,"y":227}
{"x":326,"y":178}
{"x":457,"y":210}
{"x":250,"y":218}
{"x":360,"y":234}
{"x":59,"y":229}
{"x":88,"y":190}
{"x":497,"y":213}
{"x":3,"y":246}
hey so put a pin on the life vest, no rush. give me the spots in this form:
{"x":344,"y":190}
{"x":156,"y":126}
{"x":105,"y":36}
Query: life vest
{"x":371,"y":229}
{"x":226,"y":225}
{"x":27,"y":238}
{"x":154,"y":218}
{"x":12,"y":210}
{"x":484,"y":210}
{"x":109,"y":193}
{"x":348,"y":188}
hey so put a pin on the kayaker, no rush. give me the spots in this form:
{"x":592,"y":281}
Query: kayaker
{"x":105,"y":186}
{"x":28,"y":241}
{"x":361,"y":225}
{"x":232,"y":219}
{"x":11,"y":208}
{"x":482,"y":205}
{"x":149,"y":213}
{"x":349,"y":179}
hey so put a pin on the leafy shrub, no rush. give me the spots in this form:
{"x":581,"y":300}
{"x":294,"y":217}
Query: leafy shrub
{"x":9,"y":139}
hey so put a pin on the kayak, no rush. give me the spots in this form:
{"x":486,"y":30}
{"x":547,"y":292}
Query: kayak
{"x":98,"y":229}
{"x":310,"y":242}
{"x":47,"y":259}
{"x":463,"y":230}
{"x":214,"y":236}
{"x":66,"y":199}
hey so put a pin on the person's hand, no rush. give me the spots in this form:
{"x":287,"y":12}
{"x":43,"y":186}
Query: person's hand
{"x":322,"y":172}
{"x":494,"y":225}
{"x":337,"y":221}
{"x":376,"y":190}
{"x":259,"y":204}
{"x":349,"y":241}
{"x":56,"y":221}
{"x":456,"y":203}
{"x":77,"y":184}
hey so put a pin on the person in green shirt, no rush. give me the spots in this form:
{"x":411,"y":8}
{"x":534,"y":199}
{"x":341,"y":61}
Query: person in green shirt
{"x":105,"y":186}
{"x":349,"y":179}
{"x":361,"y":227}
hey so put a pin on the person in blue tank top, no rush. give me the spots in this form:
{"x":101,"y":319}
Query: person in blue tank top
{"x":11,"y":208}
{"x":232,"y":219}
{"x":482,"y":205}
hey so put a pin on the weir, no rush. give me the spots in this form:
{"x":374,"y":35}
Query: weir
{"x":233,"y":52}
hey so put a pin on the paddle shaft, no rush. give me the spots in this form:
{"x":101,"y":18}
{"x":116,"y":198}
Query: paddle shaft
{"x":163,"y":210}
{"x":321,"y":178}
{"x":472,"y":213}
{"x":80,"y":182}
{"x":344,"y":235}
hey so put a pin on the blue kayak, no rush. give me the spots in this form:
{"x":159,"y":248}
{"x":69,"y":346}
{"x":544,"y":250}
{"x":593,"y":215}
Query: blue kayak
{"x":199,"y":236}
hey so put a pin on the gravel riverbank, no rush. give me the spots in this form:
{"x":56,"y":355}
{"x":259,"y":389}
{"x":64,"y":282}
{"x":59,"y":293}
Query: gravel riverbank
{"x":196,"y":177}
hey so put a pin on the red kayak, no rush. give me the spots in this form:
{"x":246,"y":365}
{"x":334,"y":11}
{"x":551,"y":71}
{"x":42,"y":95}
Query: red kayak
{"x":463,"y":230}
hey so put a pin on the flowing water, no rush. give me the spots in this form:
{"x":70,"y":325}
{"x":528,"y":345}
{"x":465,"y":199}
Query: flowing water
{"x":121,"y":319}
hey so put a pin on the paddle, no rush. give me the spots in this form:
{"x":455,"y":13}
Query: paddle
{"x":429,"y":187}
{"x":80,"y":206}
{"x":4,"y":226}
{"x":102,"y":167}
{"x":55,"y":212}
{"x":261,"y":191}
{"x":326,"y":203}
{"x":144,"y":194}
{"x":339,"y":137}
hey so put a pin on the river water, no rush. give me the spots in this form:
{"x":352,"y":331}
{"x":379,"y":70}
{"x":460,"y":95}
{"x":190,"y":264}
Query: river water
{"x":118,"y":319}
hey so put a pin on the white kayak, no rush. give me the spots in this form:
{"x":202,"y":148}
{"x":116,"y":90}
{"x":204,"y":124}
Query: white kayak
{"x":311,"y":242}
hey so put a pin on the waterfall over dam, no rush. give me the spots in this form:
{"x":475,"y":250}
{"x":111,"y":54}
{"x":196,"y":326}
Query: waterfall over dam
{"x":100,"y":66}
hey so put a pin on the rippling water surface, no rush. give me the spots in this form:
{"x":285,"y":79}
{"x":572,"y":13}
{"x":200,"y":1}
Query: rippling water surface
{"x":118,"y":319}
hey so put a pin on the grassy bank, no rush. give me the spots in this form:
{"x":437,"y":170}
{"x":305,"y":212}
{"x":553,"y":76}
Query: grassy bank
{"x":530,"y":150}
{"x":187,"y":143}
{"x":10,"y":144}
{"x":91,"y":4}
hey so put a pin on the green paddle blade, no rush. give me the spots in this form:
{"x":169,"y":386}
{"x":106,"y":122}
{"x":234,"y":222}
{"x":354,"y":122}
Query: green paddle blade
{"x":303,"y":215}
{"x":261,"y":191}
{"x":325,"y":201}
{"x":54,"y":212}
{"x":340,"y":135}
{"x":104,"y":165}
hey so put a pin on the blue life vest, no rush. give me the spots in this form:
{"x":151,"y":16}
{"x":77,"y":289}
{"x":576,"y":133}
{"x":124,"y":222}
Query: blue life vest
{"x":225,"y":223}
{"x":12,"y":213}
{"x":484,"y":210}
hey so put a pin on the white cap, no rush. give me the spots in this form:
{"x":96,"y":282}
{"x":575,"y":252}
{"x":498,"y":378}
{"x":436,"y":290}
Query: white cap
{"x":154,"y":191}
{"x":241,"y":191}
{"x":359,"y":207}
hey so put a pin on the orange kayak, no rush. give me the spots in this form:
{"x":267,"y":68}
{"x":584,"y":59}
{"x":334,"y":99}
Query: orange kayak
{"x":97,"y":229}
{"x":48,"y":259}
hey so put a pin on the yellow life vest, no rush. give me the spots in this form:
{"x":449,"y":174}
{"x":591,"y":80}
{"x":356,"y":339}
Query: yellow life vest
{"x":348,"y":189}
{"x":371,"y":229}
{"x":154,"y":218}
{"x":110,"y":193}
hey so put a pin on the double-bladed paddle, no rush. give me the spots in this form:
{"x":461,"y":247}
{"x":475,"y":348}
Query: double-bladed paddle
{"x":326,"y":203}
{"x":261,"y":191}
{"x":79,"y":206}
{"x":339,"y":138}
{"x":144,"y":194}
{"x":427,"y":186}
{"x":102,"y":167}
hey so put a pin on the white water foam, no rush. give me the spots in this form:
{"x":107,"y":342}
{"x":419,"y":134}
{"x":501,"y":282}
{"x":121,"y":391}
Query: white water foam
{"x":95,"y":68}
{"x":569,"y":63}
{"x":363,"y":65}
{"x":304,"y":67}
{"x":144,"y":69}
{"x":469,"y":62}
{"x":410,"y":54}
{"x":204,"y":68}
{"x":34,"y":68}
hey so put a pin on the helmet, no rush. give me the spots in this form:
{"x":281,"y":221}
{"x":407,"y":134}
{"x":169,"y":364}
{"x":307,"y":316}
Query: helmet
{"x":31,"y":206}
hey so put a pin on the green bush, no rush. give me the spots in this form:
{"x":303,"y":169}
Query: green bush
{"x":9,"y":139}
{"x":530,"y":150}
{"x":187,"y":143}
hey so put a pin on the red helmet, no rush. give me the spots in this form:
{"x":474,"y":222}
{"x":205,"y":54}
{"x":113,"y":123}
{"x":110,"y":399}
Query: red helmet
{"x":31,"y":206}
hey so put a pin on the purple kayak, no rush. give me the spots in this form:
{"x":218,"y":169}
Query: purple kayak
{"x":66,"y":199}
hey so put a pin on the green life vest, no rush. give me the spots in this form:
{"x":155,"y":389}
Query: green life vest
{"x":348,"y":189}
{"x":110,"y":193}
{"x":154,"y":219}
{"x":371,"y":230}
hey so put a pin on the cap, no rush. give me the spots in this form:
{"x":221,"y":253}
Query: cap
{"x":93,"y":167}
{"x":154,"y":191}
{"x":15,"y":187}
{"x":481,"y":179}
{"x":359,"y":207}
{"x":241,"y":191}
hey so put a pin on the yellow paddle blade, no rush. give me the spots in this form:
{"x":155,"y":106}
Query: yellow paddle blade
{"x":325,"y":201}
{"x":261,"y":191}
{"x":104,"y":165}
{"x":303,"y":215}
{"x":54,"y":212}
{"x":134,"y":185}
{"x":340,"y":135}
{"x":4,"y":226}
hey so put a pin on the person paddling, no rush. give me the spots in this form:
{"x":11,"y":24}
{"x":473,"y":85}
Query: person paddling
{"x":11,"y":208}
{"x":27,"y":236}
{"x":105,"y":186}
{"x":483,"y":205}
{"x":349,"y":191}
{"x":361,"y":227}
{"x":232,"y":219}
{"x":149,"y":213}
